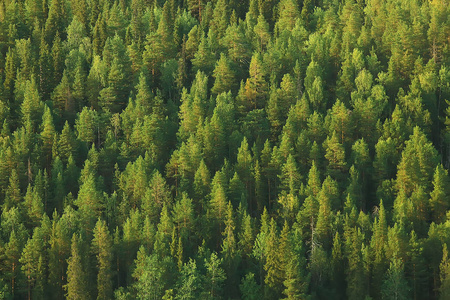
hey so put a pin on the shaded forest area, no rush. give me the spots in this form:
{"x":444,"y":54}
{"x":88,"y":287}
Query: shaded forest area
{"x":224,"y":149}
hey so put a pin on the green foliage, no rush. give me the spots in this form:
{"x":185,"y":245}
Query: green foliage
{"x":102,"y":248}
{"x":215,"y":276}
{"x":224,"y":149}
{"x":395,"y":285}
{"x":190,"y":282}
{"x":149,"y":272}
{"x":77,"y":280}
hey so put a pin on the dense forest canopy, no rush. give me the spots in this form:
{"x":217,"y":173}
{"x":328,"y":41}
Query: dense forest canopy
{"x":224,"y":149}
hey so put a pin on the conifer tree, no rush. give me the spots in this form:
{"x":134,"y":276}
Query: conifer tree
{"x":32,"y":263}
{"x":244,"y":163}
{"x":86,"y":125}
{"x":335,"y":154}
{"x":444,"y":289}
{"x":220,"y":18}
{"x":31,"y":107}
{"x":47,"y":135}
{"x":34,"y":205}
{"x":12,"y":255}
{"x":250,"y":290}
{"x":238,"y":46}
{"x":272,"y":265}
{"x":314,"y":86}
{"x":439,"y":203}
{"x":395,"y":285}
{"x":246,"y":236}
{"x":255,"y":89}
{"x":224,"y":76}
{"x":183,"y":216}
{"x":204,"y":59}
{"x":102,"y":248}
{"x":262,"y":33}
{"x":355,"y":270}
{"x":77,"y":279}
{"x":12,"y":195}
{"x":189,"y":282}
{"x":215,"y":277}
{"x":149,"y":273}
{"x":288,"y":14}
{"x":417,"y":169}
{"x":89,"y":202}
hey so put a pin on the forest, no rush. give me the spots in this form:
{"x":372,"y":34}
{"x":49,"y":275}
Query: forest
{"x":224,"y":149}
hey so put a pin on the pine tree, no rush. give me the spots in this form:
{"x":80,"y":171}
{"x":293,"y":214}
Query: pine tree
{"x":189,"y":282}
{"x":102,"y":248}
{"x":183,"y":216}
{"x":165,"y":229}
{"x":215,"y":277}
{"x":244,"y":164}
{"x":220,"y":18}
{"x":230,"y":251}
{"x":66,"y":144}
{"x":47,"y":135}
{"x":250,"y":290}
{"x":217,"y":206}
{"x":89,"y":202}
{"x":438,"y":201}
{"x":280,"y":102}
{"x":337,"y":265}
{"x":12,"y":255}
{"x":59,"y":252}
{"x":204,"y":59}
{"x":444,"y":289}
{"x":34,"y":205}
{"x":314,"y":86}
{"x":31,"y":260}
{"x":416,"y":169}
{"x":12,"y":195}
{"x":395,"y":285}
{"x":377,"y":243}
{"x":290,"y":178}
{"x":156,"y":196}
{"x":437,"y":30}
{"x":239,"y":48}
{"x":77,"y":280}
{"x":202,"y":180}
{"x":87,"y":125}
{"x":224,"y":76}
{"x":57,"y":56}
{"x":272,"y":265}
{"x":56,"y":21}
{"x":262,"y":33}
{"x":31,"y":107}
{"x":246,"y":236}
{"x":288,"y":15}
{"x":418,"y":267}
{"x":335,"y":154}
{"x":149,"y":273}
{"x":355,"y":269}
{"x":10,"y":74}
{"x":143,"y":96}
{"x":196,"y":7}
{"x":340,"y":121}
{"x":314,"y":182}
{"x":255,"y":89}
{"x":327,"y":198}
{"x":296,"y":281}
